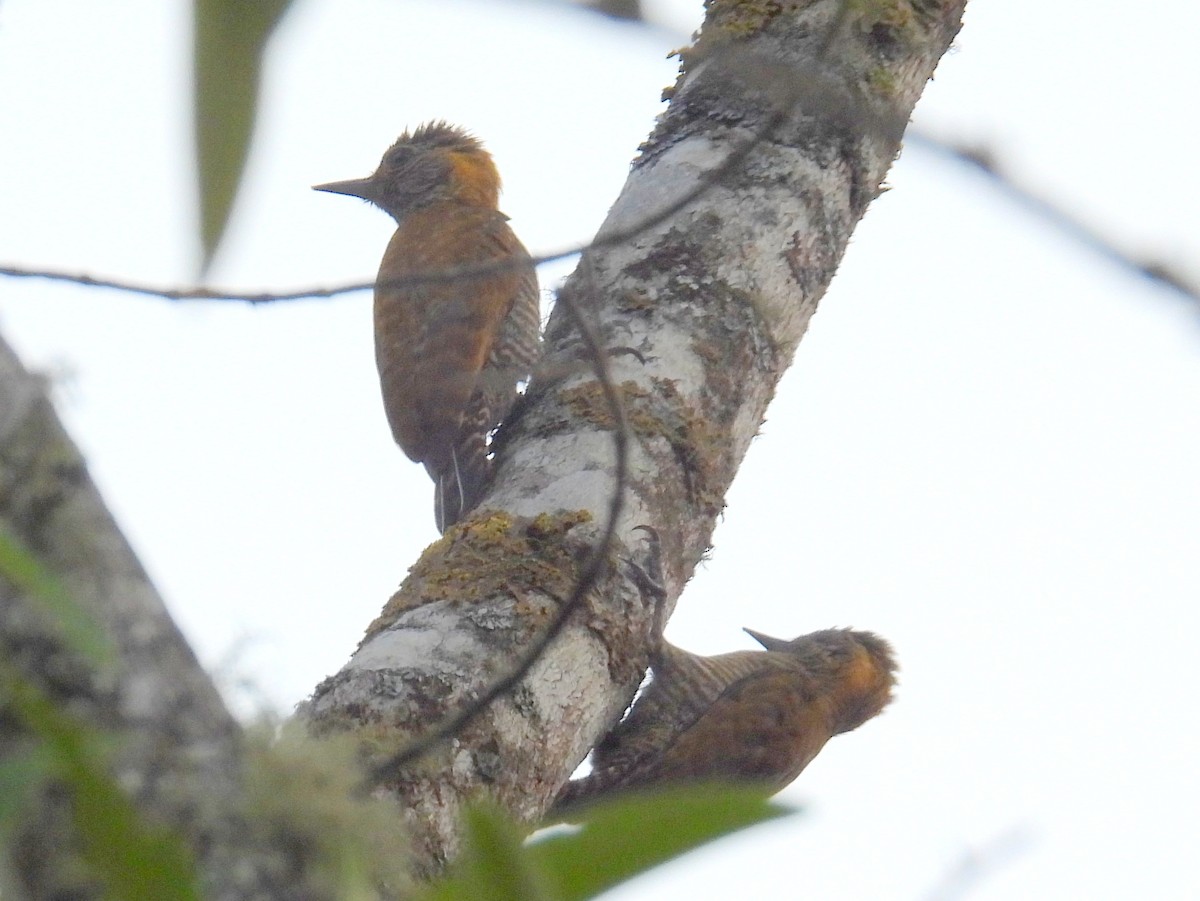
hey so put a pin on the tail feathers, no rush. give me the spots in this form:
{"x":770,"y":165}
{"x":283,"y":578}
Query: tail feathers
{"x":459,"y":487}
{"x":598,"y":785}
{"x":575,"y":794}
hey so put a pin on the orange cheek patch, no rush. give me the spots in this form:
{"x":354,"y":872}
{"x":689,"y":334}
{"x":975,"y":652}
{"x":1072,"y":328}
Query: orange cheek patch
{"x":475,"y":178}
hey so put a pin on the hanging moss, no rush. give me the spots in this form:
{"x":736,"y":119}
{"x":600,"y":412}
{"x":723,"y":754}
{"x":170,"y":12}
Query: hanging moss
{"x":306,"y":794}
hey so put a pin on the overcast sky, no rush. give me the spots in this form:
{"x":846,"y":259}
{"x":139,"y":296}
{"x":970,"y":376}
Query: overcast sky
{"x":986,"y":450}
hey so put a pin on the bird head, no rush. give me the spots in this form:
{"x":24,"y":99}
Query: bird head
{"x":436,"y":162}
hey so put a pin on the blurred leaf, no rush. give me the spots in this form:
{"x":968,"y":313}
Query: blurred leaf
{"x":20,"y":774}
{"x":135,"y":861}
{"x":82,"y":634}
{"x":228,"y":40}
{"x":629,"y":835}
{"x":493,"y":866}
{"x":618,"y":9}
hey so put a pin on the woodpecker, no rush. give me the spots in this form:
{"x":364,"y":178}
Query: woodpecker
{"x":757,"y":717}
{"x":456,"y":307}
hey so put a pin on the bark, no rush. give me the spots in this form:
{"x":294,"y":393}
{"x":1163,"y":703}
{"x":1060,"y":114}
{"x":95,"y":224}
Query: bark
{"x":700,"y":315}
{"x":174,"y":749}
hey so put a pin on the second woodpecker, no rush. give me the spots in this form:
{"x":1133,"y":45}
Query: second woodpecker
{"x":456,"y":307}
{"x":756,"y":717}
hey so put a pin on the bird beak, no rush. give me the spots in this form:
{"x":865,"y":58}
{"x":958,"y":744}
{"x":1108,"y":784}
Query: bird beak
{"x":771,"y":644}
{"x":355,"y":187}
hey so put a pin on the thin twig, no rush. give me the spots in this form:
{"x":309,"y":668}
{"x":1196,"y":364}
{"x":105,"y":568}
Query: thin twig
{"x":416,"y":279}
{"x":986,"y":161}
{"x":194,"y":293}
{"x":976,"y":865}
{"x":806,"y":85}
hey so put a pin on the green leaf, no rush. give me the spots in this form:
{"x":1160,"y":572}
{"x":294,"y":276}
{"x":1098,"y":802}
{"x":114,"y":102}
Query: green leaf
{"x":228,"y":40}
{"x":76,"y":628}
{"x":20,"y":774}
{"x":135,"y":860}
{"x":627,"y":836}
{"x":493,"y":866}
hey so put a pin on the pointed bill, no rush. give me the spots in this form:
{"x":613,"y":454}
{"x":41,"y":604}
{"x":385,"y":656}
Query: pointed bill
{"x":771,"y":644}
{"x":355,"y":187}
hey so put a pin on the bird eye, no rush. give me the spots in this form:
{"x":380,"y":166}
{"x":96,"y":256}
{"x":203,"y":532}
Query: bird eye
{"x":397,"y":154}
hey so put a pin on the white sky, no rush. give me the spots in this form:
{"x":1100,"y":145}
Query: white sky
{"x":986,"y":451}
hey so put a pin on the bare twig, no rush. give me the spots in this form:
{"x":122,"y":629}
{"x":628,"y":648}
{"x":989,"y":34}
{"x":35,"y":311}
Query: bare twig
{"x":977,"y":156}
{"x":448,"y":274}
{"x":986,"y":161}
{"x":806,"y":85}
{"x":975,"y":865}
{"x":198,"y":292}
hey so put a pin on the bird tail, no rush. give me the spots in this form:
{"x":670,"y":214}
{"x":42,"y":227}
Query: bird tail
{"x":459,"y":487}
{"x":576,"y":794}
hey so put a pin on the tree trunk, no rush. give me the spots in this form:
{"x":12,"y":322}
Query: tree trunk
{"x":130,"y":689}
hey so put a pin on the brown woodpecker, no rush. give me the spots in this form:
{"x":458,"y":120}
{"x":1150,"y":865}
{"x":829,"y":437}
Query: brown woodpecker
{"x":756,"y":717}
{"x":450,"y":348}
